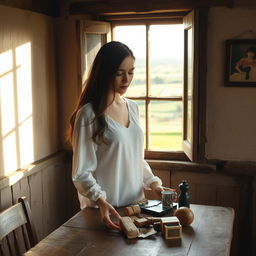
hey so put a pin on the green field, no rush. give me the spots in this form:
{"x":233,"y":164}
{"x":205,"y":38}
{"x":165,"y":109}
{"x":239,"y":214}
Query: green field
{"x":166,"y":141}
{"x":165,"y":80}
{"x":165,"y":124}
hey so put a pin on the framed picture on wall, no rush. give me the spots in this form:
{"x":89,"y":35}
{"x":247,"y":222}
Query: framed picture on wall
{"x":240,"y":62}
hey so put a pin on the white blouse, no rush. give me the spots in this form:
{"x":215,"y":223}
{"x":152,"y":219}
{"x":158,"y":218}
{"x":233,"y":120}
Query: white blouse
{"x":115,"y":171}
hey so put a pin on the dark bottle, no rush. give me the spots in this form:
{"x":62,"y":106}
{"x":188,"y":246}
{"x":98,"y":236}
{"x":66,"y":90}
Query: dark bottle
{"x":184,"y":196}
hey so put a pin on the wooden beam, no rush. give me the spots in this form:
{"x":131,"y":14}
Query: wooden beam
{"x":47,"y":7}
{"x":135,"y":6}
{"x":138,"y":21}
{"x":175,"y":15}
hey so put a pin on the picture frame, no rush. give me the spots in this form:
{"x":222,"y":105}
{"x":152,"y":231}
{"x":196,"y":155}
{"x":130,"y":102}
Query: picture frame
{"x":240,"y":62}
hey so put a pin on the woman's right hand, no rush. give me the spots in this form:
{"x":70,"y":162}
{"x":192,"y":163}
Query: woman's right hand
{"x":106,"y":210}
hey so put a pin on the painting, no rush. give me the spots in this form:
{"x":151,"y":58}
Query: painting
{"x":240,"y":62}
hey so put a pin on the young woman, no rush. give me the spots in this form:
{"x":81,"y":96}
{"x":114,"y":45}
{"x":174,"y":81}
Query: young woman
{"x":109,"y":169}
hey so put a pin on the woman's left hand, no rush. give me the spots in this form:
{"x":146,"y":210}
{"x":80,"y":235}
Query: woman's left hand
{"x":157,"y":190}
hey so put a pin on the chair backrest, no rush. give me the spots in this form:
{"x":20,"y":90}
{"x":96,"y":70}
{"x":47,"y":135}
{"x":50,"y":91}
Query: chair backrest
{"x":17,"y":232}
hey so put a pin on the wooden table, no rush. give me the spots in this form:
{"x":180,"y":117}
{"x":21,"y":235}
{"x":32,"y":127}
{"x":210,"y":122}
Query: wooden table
{"x":209,"y":234}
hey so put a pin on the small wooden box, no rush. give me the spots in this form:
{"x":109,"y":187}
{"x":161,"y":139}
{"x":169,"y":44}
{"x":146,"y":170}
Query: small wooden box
{"x":171,"y":228}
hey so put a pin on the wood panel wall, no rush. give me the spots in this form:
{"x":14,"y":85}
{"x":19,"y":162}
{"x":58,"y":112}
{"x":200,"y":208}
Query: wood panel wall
{"x":47,"y":187}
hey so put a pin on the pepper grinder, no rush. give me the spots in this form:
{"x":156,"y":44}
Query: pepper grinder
{"x":184,"y":196}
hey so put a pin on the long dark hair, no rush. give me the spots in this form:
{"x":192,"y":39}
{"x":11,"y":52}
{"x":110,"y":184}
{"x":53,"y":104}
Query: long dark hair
{"x":99,"y":84}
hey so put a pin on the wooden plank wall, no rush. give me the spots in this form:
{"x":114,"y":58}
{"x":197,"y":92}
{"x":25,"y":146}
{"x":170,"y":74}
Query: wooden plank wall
{"x":47,"y":189}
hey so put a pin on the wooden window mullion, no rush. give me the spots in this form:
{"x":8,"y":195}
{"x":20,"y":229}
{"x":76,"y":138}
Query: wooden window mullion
{"x":157,"y":98}
{"x":147,"y":86}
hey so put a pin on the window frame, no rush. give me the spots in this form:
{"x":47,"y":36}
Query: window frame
{"x":190,"y":141}
{"x":84,"y":27}
{"x":153,"y":154}
{"x":169,"y":17}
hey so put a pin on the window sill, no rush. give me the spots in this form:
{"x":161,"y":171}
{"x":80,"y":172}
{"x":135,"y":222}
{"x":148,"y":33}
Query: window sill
{"x":165,"y":155}
{"x":14,"y":177}
{"x":169,"y":165}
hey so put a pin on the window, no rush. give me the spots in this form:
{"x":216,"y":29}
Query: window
{"x":164,"y":85}
{"x":158,"y":82}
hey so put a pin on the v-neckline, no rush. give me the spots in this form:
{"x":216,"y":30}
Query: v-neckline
{"x":129,"y":117}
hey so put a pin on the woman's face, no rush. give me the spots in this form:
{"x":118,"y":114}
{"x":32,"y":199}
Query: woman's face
{"x":124,"y":75}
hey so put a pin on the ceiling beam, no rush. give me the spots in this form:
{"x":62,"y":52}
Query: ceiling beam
{"x":139,"y":6}
{"x":47,"y":7}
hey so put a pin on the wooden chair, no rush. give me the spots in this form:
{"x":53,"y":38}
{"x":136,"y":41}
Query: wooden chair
{"x":17,"y":232}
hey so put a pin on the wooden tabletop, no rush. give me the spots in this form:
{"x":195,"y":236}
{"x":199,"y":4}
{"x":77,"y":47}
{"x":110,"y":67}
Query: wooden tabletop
{"x":210,"y":234}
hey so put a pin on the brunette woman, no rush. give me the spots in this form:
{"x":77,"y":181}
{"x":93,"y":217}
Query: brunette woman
{"x":109,"y":169}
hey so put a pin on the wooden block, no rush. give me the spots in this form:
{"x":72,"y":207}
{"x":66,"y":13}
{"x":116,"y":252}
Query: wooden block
{"x":157,"y":226}
{"x":171,"y":228}
{"x":153,"y":220}
{"x":128,"y":211}
{"x":169,"y":220}
{"x":136,"y":209}
{"x":141,"y":222}
{"x":130,"y":230}
{"x":132,"y":210}
{"x":172,"y":231}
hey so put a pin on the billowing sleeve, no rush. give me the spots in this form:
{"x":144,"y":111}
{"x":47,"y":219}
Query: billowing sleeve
{"x":84,"y":158}
{"x":148,"y":176}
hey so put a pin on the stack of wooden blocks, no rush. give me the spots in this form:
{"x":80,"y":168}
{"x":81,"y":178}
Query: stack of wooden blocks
{"x":170,"y":226}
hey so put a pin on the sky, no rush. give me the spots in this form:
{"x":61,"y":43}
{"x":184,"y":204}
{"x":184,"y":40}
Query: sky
{"x":166,"y":41}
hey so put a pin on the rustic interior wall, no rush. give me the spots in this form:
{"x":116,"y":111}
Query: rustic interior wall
{"x":68,"y":67}
{"x":67,"y":52}
{"x":49,"y":190}
{"x":231,"y":124}
{"x":28,"y":88}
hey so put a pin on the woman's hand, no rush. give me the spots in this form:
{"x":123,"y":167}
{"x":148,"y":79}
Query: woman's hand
{"x":157,"y":190}
{"x":106,"y":210}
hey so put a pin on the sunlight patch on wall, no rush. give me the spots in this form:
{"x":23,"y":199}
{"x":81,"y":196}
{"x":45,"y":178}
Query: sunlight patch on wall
{"x":7,"y":104}
{"x":16,"y":108}
{"x":26,"y":142}
{"x":6,"y":62}
{"x":24,"y":102}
